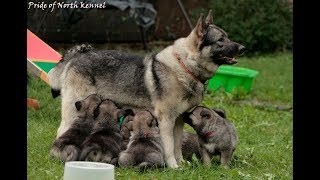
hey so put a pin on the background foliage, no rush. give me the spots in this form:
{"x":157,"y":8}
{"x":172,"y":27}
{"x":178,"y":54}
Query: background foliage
{"x":261,"y":26}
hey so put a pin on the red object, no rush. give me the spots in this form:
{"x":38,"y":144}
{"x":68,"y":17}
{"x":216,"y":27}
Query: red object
{"x":37,"y":50}
{"x":40,"y":56}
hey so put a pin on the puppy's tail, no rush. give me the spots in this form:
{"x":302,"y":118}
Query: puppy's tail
{"x":54,"y":75}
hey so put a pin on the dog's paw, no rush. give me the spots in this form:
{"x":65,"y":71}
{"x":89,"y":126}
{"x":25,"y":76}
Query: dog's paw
{"x":181,"y":161}
{"x":55,"y":152}
{"x":94,"y":155}
{"x":172,"y":164}
{"x":70,"y":153}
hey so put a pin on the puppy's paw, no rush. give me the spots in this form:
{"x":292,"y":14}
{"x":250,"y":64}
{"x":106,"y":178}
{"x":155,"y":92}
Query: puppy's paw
{"x":70,"y":153}
{"x":181,"y":161}
{"x":94,"y":155}
{"x":55,"y":152}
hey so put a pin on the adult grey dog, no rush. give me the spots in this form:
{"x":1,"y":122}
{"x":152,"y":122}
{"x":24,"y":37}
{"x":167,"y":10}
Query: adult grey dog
{"x":167,"y":83}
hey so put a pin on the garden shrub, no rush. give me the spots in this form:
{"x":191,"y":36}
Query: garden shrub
{"x":261,"y":26}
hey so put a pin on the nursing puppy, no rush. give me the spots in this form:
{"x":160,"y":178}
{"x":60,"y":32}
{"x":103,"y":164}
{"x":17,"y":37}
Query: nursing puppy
{"x":104,"y":142}
{"x":145,"y":147}
{"x":67,"y":146}
{"x":215,"y":136}
{"x":126,"y":128}
{"x":168,"y":83}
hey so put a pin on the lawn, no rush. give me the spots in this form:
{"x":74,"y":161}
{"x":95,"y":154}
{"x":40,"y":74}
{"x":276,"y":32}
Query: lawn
{"x":263,"y":119}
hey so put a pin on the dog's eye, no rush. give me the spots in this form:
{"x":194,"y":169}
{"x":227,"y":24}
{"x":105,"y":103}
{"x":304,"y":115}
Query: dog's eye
{"x":205,"y":115}
{"x":220,"y":39}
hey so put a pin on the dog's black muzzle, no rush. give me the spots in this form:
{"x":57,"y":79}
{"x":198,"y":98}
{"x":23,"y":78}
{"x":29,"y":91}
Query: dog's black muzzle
{"x":229,"y":53}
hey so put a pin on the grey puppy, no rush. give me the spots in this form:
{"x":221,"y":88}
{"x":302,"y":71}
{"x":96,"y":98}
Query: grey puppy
{"x":126,"y":129}
{"x":168,"y":83}
{"x":104,"y":142}
{"x":145,"y":147}
{"x":215,"y":136}
{"x":67,"y":146}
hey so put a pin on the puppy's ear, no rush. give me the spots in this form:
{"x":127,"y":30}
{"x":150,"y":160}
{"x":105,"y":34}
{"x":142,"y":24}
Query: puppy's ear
{"x":149,"y":121}
{"x":154,"y":122}
{"x":96,"y":112}
{"x":78,"y":105}
{"x":129,"y":112}
{"x":220,"y":112}
{"x":186,"y":118}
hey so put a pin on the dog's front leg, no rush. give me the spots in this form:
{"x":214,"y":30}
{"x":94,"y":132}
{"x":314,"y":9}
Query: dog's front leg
{"x":68,"y":112}
{"x":166,"y":126}
{"x":205,"y":157}
{"x":178,"y":130}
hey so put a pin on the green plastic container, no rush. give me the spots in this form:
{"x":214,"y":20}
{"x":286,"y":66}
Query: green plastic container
{"x":232,"y":79}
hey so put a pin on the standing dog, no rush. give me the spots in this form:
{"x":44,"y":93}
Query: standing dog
{"x":167,"y":83}
{"x":104,"y":142}
{"x":67,"y":146}
{"x":145,"y":146}
{"x":215,"y":135}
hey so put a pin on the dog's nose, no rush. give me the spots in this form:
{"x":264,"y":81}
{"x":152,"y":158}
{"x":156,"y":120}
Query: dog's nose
{"x":241,"y":49}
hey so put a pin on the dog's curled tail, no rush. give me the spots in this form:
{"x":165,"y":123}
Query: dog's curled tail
{"x":54,"y":75}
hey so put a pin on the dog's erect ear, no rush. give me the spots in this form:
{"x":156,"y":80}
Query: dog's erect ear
{"x":200,"y":27}
{"x":209,"y":19}
{"x":78,"y":105}
{"x":220,"y":112}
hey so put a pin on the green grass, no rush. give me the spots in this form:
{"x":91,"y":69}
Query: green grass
{"x":263,"y":120}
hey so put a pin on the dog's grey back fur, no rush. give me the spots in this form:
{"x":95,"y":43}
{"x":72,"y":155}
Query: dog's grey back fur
{"x":121,"y":67}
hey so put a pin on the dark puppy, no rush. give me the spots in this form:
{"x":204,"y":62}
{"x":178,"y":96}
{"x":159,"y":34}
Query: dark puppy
{"x":67,"y":146}
{"x":145,"y":147}
{"x":215,"y":135}
{"x":103,"y":144}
